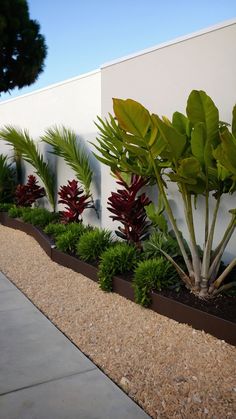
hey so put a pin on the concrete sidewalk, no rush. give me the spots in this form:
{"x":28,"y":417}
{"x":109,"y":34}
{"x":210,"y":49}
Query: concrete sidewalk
{"x":44,"y":376}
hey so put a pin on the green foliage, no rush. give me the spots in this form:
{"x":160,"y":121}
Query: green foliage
{"x":7,"y":180}
{"x":67,"y":242}
{"x":74,"y":227}
{"x":25,"y":145}
{"x":55,"y":229}
{"x":92,"y":244}
{"x":197,"y":152}
{"x":65,"y":144}
{"x":39,"y":217}
{"x":15,"y":212}
{"x":22,"y":47}
{"x":118,"y":259}
{"x":5,"y":207}
{"x":156,"y":216}
{"x":158,"y":242}
{"x":152,"y":274}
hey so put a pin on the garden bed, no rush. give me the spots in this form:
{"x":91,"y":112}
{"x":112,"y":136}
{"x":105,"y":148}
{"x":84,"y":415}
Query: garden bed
{"x":170,"y":369}
{"x":162,"y":304}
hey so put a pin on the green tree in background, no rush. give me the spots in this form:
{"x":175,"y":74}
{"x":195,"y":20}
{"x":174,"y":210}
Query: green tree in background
{"x":22,"y":47}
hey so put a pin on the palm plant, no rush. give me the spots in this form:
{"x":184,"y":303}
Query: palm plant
{"x":197,"y":152}
{"x":64,"y":144}
{"x":25,"y":146}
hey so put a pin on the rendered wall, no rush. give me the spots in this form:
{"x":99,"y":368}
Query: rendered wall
{"x":162,"y":79}
{"x":74,"y":104}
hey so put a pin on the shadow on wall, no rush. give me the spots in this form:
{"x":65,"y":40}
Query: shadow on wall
{"x":52,"y":159}
{"x":90,"y":215}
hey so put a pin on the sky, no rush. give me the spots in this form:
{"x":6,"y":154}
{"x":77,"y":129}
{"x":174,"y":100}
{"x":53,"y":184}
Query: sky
{"x":81,"y":35}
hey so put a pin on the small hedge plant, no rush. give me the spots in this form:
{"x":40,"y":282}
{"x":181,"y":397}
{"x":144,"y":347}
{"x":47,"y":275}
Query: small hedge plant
{"x":5,"y":207}
{"x":92,"y":244}
{"x":15,"y":212}
{"x":152,"y":274}
{"x":67,"y":241}
{"x":118,"y":259}
{"x":160,"y":241}
{"x":55,"y":229}
{"x":39,"y":217}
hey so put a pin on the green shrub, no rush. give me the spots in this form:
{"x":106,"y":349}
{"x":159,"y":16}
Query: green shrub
{"x":160,"y":241}
{"x":39,"y":217}
{"x":92,"y":244}
{"x":118,"y":259}
{"x":15,"y":212}
{"x":152,"y":274}
{"x":4,"y":207}
{"x":55,"y":229}
{"x":67,"y":242}
{"x":76,"y":227}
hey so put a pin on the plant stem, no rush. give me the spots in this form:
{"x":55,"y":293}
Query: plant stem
{"x":193,"y":245}
{"x":224,"y":288}
{"x":180,"y":271}
{"x":224,"y":274}
{"x":206,"y":211}
{"x":172,"y":219}
{"x":206,"y":260}
{"x":220,"y":249}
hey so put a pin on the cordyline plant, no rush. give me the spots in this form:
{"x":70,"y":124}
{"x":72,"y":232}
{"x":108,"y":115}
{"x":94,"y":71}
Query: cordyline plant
{"x":26,"y":195}
{"x":129,"y":209}
{"x":75,"y":200}
{"x":198,"y":153}
{"x":25,"y":146}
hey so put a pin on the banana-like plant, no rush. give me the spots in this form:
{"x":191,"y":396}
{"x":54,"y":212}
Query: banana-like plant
{"x":64,"y":144}
{"x":25,"y":146}
{"x":197,"y":152}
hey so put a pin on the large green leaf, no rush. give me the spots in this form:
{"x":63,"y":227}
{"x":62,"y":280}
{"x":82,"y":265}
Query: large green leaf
{"x":201,"y":109}
{"x":189,"y":168}
{"x":175,"y":140}
{"x":225,"y":153}
{"x":132,"y":116}
{"x":181,"y":123}
{"x":234,"y":121}
{"x":198,"y":142}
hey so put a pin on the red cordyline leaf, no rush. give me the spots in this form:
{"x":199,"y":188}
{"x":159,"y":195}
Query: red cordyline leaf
{"x":27,"y":194}
{"x":75,"y":200}
{"x":128,"y":209}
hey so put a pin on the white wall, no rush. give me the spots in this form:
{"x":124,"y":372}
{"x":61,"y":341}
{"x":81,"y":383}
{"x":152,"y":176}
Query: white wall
{"x":162,"y":78}
{"x":75,"y":104}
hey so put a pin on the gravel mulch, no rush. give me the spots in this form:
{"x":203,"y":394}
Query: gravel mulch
{"x":170,"y":369}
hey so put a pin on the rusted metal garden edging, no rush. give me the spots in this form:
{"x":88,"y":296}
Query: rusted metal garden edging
{"x":182,"y":313}
{"x":77,"y":265}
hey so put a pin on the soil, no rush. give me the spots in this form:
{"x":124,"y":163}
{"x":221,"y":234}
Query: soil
{"x":170,"y":369}
{"x":223,"y":306}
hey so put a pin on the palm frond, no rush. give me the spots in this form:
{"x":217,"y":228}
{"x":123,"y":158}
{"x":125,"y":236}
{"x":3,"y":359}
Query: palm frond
{"x":64,"y":144}
{"x":24,"y":145}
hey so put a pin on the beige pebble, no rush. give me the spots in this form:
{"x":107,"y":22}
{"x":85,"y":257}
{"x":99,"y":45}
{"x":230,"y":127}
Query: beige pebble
{"x":170,"y":369}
